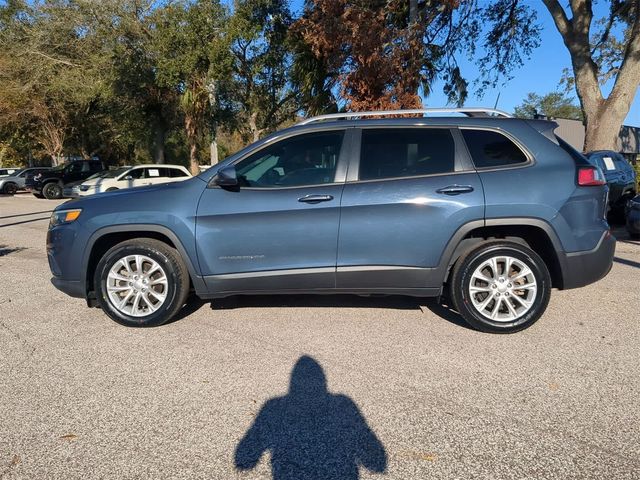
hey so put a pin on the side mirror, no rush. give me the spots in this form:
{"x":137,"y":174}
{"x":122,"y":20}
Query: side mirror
{"x":226,"y":177}
{"x":128,"y":177}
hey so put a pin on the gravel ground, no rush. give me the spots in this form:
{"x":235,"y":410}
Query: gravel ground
{"x":412,"y":392}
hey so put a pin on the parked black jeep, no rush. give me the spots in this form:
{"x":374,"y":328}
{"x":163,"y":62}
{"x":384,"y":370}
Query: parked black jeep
{"x":50,"y":184}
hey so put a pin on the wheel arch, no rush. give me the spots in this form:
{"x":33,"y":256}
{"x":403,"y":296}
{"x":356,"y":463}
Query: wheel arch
{"x":536,"y":234}
{"x":103,"y":239}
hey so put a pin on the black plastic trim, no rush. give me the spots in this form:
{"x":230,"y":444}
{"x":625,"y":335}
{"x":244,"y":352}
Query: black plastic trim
{"x":197,"y":280}
{"x":584,"y":268}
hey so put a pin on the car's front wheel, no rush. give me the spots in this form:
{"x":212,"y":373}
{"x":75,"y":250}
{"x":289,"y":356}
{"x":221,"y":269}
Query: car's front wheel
{"x":500,"y":287}
{"x":141,"y":283}
{"x":52,"y":191}
{"x":10,"y":188}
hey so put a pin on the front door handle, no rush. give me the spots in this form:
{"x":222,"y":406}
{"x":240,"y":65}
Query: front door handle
{"x":315,"y":198}
{"x":455,"y":189}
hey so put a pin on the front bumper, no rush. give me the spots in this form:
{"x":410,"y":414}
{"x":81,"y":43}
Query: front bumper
{"x":583,"y":268}
{"x":70,"y":192}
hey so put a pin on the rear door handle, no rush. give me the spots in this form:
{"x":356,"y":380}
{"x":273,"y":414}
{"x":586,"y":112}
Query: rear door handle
{"x":455,"y":189}
{"x":315,"y":198}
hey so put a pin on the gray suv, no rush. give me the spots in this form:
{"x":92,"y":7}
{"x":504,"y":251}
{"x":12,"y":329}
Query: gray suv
{"x":490,"y":210}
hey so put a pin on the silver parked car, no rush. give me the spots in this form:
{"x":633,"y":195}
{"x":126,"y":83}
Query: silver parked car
{"x":14,"y":182}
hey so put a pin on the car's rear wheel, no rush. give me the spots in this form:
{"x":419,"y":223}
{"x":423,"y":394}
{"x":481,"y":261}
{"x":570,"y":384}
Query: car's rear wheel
{"x":10,"y":188}
{"x":141,"y":283}
{"x":500,"y":287}
{"x":52,"y":191}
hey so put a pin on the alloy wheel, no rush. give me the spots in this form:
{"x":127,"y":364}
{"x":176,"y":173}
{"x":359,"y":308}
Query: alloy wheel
{"x":503,"y":288}
{"x":137,"y":285}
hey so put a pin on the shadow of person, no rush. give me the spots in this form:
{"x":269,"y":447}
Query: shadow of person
{"x":311,"y":433}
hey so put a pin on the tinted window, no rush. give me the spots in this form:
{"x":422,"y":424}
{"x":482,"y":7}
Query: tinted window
{"x":405,"y":152}
{"x":492,"y":149}
{"x":135,"y":174}
{"x":175,"y":173}
{"x":309,"y":159}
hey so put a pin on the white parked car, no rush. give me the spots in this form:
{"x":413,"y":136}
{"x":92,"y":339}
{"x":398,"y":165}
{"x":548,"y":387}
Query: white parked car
{"x":128,"y":177}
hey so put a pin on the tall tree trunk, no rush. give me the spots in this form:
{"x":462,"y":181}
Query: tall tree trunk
{"x":159,"y":136}
{"x":603,"y":116}
{"x":214,"y":151}
{"x":191,"y":128}
{"x":253,"y":126}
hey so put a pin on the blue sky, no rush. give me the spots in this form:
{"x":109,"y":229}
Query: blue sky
{"x":540,"y":74}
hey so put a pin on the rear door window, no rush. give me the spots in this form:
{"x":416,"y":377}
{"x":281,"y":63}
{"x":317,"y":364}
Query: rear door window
{"x":405,"y":152}
{"x":490,"y":149}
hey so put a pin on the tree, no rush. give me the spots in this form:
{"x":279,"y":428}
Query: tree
{"x":384,"y":53}
{"x":596,"y":58}
{"x":554,"y":104}
{"x":192,"y":56}
{"x":47,"y":71}
{"x":261,"y":64}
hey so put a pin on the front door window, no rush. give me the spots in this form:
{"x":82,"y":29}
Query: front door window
{"x":303,"y":160}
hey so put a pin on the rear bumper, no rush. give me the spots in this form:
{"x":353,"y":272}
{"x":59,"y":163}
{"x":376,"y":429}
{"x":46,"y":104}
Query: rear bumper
{"x":583,"y":268}
{"x":70,"y":287}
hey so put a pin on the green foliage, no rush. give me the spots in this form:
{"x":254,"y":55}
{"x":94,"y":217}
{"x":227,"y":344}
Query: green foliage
{"x":260,"y":84}
{"x":554,"y":104}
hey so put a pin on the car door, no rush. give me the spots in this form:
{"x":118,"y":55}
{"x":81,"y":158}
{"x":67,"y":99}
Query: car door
{"x":155,"y":175}
{"x":278,"y":230}
{"x":73,"y":172}
{"x":136,"y":177}
{"x":406,"y":195}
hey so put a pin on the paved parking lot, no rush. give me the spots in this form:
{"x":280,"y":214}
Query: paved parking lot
{"x":412,"y":392}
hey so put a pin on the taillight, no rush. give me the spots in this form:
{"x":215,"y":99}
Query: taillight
{"x":590,"y":176}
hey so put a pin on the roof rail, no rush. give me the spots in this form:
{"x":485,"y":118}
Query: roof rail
{"x":469,"y":112}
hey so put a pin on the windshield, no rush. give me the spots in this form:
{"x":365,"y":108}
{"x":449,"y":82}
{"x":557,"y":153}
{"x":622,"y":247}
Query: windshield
{"x":57,"y":168}
{"x":103,"y":174}
{"x":114,"y":173}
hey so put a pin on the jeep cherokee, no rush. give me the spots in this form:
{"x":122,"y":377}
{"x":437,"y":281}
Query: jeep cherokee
{"x":493,"y":211}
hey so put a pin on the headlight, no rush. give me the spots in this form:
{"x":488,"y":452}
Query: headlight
{"x":64,"y":216}
{"x":84,"y":188}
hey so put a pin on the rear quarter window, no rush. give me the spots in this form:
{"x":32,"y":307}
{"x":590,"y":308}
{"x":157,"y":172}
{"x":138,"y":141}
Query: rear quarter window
{"x":490,"y":149}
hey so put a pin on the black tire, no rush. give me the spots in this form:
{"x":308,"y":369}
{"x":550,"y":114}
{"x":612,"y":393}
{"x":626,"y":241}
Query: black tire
{"x":52,"y":191}
{"x":461,"y":279}
{"x":168,"y":258}
{"x":111,"y":189}
{"x":10,"y":188}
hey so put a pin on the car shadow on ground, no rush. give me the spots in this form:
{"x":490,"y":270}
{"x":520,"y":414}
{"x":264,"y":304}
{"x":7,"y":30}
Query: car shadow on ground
{"x":311,"y":433}
{"x":25,"y":214}
{"x":6,"y":250}
{"x":624,"y":261}
{"x":439,"y":308}
{"x":24,"y":221}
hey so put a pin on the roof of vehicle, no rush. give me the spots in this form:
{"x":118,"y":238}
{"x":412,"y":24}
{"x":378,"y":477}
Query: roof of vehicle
{"x":525,"y":130}
{"x":158,"y":165}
